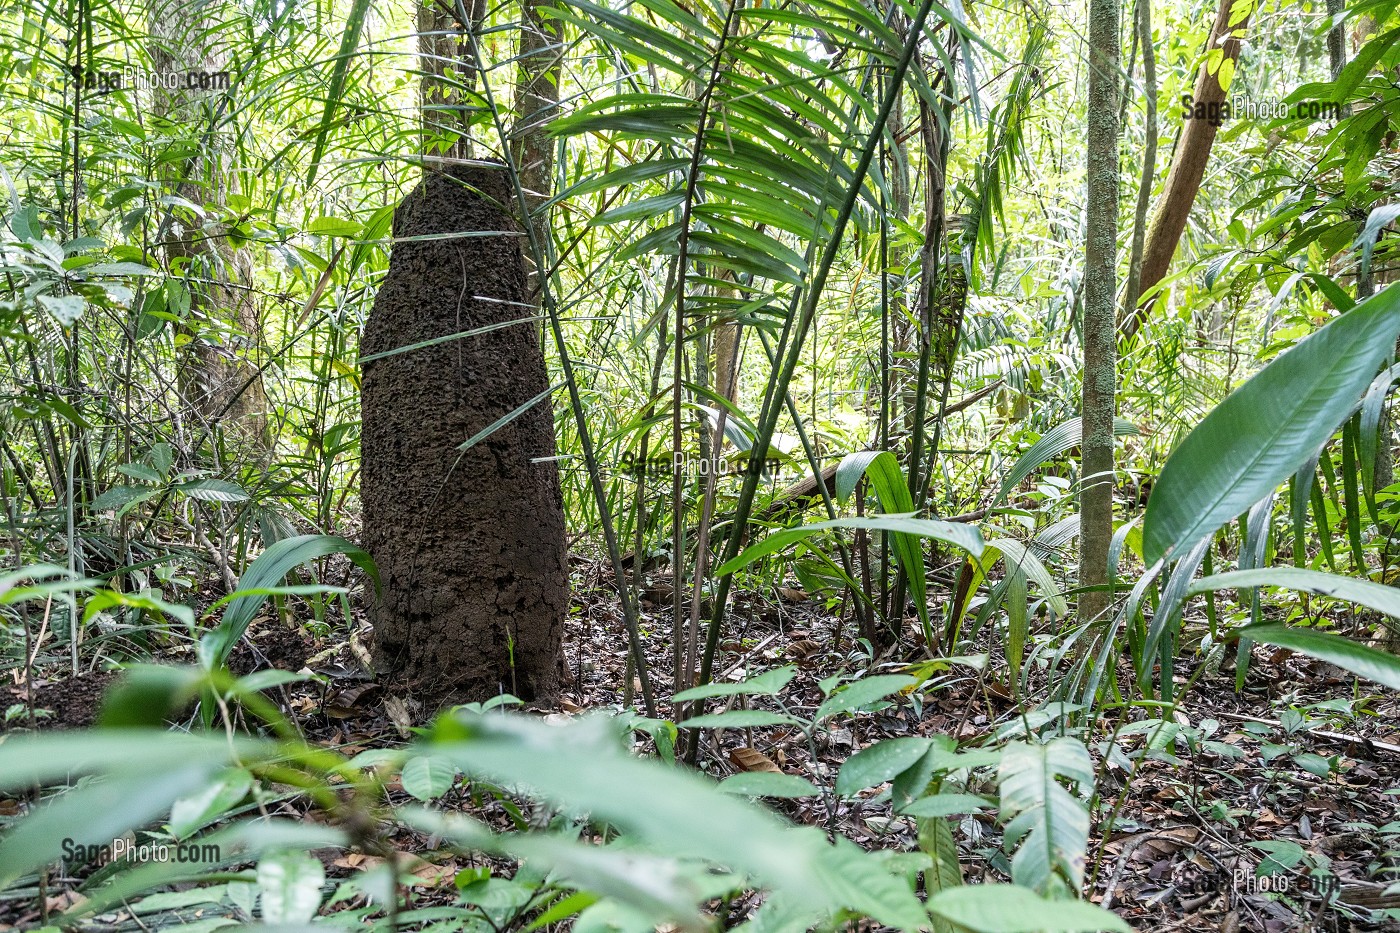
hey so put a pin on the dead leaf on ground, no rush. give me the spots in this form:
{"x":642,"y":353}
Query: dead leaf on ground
{"x":751,"y":759}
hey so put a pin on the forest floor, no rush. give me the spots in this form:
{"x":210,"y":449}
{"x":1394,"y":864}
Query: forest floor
{"x":1295,"y":767}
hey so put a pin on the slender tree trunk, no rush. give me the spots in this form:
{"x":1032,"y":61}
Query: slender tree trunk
{"x":1100,"y":346}
{"x":536,"y":104}
{"x":1149,"y":155}
{"x":219,"y":377}
{"x":1336,"y":39}
{"x":1189,"y":162}
{"x":448,"y":67}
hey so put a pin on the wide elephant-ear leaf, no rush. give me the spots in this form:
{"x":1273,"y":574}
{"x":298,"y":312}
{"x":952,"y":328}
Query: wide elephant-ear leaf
{"x":1257,"y":437}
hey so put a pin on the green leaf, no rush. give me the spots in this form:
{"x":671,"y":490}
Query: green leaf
{"x":1056,"y":442}
{"x":1050,"y":825}
{"x":118,"y":497}
{"x":766,"y":684}
{"x":861,"y":693}
{"x":936,"y":840}
{"x":140,"y":471}
{"x":892,"y":490}
{"x":268,"y":571}
{"x":213,"y":490}
{"x":768,"y":784}
{"x":66,"y":309}
{"x":192,"y":813}
{"x":880,"y":763}
{"x":1259,"y":435}
{"x":1380,"y":666}
{"x":149,"y":695}
{"x":886,"y":479}
{"x":290,"y":887}
{"x":945,"y":805}
{"x":428,"y":777}
{"x":960,"y":536}
{"x":739,"y":719}
{"x":349,"y":42}
{"x":582,"y":765}
{"x":1009,"y":908}
{"x":97,"y":813}
{"x":334,"y":226}
{"x":1377,"y":596}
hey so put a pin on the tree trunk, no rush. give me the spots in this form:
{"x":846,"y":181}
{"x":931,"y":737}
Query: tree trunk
{"x":219,"y":378}
{"x":1100,"y":346}
{"x":448,"y":65}
{"x":1188,"y":163}
{"x":470,"y":543}
{"x":1143,"y":30}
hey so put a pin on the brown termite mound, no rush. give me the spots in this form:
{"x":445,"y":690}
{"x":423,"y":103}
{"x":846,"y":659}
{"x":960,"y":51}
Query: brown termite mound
{"x":469,"y":543}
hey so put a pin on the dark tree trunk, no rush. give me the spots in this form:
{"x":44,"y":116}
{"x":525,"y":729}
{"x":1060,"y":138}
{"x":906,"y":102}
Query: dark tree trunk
{"x":470,"y":544}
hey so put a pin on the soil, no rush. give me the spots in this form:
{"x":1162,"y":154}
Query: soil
{"x":72,"y":703}
{"x":470,"y":544}
{"x":270,"y":645}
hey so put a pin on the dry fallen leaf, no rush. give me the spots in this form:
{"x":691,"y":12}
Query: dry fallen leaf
{"x":751,"y":759}
{"x":397,"y":711}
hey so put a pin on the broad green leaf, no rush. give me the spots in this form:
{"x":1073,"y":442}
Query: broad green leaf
{"x":1056,"y":442}
{"x":118,"y":497}
{"x":290,"y":887}
{"x":213,"y":490}
{"x":765,"y":684}
{"x":861,"y":693}
{"x":582,"y":765}
{"x":1259,"y":435}
{"x":428,"y":777}
{"x":97,"y":813}
{"x":1377,"y":596}
{"x":880,"y":763}
{"x":1048,"y":825}
{"x":66,"y":309}
{"x":1380,"y":666}
{"x":892,"y":490}
{"x":224,"y":792}
{"x":886,"y":479}
{"x":1009,"y":908}
{"x":49,"y":758}
{"x":935,"y":838}
{"x":240,"y":842}
{"x":768,"y":784}
{"x":140,"y":471}
{"x":148,"y":695}
{"x":945,"y":805}
{"x":271,"y":567}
